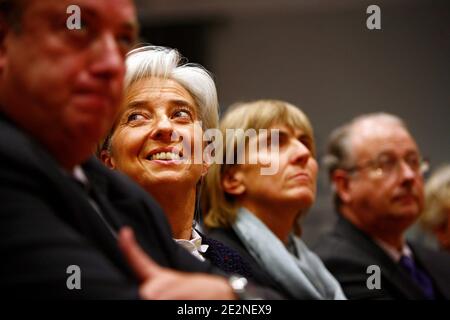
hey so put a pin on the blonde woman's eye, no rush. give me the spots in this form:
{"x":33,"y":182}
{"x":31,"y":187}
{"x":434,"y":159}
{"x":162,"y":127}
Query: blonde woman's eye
{"x":306,"y":143}
{"x":283,"y":138}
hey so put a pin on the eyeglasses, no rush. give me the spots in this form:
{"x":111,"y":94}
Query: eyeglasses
{"x":387,"y":164}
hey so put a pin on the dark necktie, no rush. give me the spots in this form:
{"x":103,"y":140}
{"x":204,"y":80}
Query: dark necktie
{"x":418,"y":276}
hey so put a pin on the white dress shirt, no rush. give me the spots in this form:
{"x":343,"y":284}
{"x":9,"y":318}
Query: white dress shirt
{"x":393,"y":252}
{"x":194,"y":246}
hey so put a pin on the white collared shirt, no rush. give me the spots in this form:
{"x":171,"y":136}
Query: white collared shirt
{"x":194,"y":246}
{"x":393,"y":253}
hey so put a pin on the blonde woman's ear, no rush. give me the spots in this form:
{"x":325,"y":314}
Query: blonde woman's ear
{"x":206,"y":162}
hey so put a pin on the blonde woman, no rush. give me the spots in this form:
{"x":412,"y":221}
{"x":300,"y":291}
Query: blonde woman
{"x":255,"y":213}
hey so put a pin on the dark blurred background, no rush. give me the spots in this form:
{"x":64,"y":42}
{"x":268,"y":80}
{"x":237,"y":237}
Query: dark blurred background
{"x":319,"y":55}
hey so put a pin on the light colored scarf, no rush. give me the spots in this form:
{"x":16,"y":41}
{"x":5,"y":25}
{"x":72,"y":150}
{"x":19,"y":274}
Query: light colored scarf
{"x":303,"y":276}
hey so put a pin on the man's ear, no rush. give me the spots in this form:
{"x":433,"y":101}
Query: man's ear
{"x":107,"y":159}
{"x":341,"y":184}
{"x":232,"y":182}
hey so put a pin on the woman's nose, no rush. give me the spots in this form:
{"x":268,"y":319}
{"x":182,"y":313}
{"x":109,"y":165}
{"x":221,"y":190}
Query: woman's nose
{"x":300,"y":153}
{"x":163,"y":129}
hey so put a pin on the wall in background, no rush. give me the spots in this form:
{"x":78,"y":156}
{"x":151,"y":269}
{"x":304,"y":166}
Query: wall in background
{"x":325,"y":61}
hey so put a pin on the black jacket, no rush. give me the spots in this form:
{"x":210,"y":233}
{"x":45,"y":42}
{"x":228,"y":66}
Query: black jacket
{"x":48,"y":224}
{"x":347,"y":252}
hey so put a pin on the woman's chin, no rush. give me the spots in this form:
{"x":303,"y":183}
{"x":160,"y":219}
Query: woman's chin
{"x":167,"y":180}
{"x":304,"y":195}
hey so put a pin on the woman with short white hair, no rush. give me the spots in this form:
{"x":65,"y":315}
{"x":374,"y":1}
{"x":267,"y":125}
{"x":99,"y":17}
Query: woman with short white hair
{"x":157,"y":140}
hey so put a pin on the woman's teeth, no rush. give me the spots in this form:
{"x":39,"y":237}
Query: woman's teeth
{"x":165,"y":156}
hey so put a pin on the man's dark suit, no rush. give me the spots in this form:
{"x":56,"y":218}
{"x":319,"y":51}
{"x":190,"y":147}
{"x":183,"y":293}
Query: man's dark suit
{"x":347,"y":252}
{"x":48,"y":224}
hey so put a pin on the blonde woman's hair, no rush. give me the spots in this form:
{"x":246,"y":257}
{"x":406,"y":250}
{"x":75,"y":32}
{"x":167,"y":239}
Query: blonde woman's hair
{"x":218,"y":206}
{"x":437,"y":198}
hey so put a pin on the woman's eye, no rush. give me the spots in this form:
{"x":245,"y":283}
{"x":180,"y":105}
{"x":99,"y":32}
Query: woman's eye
{"x":283,"y":138}
{"x":182,"y":114}
{"x":135,"y":117}
{"x":307,"y":143}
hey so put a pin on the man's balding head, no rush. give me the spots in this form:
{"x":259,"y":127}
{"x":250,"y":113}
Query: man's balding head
{"x":374,"y":164}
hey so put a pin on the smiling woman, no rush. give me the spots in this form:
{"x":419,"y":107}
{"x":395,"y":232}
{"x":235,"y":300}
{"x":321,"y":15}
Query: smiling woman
{"x":168,"y":105}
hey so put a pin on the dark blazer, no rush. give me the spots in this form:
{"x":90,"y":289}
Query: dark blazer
{"x":225,"y":258}
{"x":48,"y":224}
{"x":257,"y":274}
{"x":347,"y":252}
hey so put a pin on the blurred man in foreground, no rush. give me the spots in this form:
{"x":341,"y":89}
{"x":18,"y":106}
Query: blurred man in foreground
{"x":60,"y":90}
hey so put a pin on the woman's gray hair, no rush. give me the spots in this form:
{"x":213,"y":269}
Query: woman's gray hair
{"x":167,"y":63}
{"x":339,"y":149}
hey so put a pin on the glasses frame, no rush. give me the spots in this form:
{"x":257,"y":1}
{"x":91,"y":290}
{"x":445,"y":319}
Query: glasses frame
{"x":424,"y":166}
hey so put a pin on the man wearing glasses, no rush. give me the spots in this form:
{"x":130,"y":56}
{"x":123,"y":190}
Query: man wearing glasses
{"x":376,"y":170}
